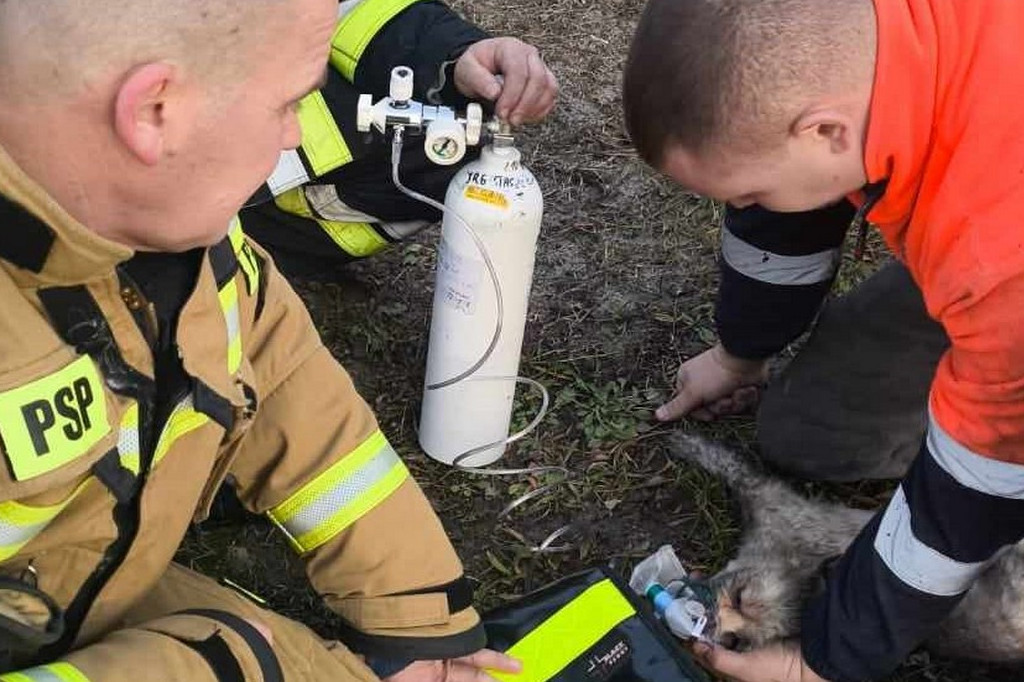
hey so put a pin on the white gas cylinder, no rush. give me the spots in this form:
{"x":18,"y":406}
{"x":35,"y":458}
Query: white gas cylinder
{"x":501,"y":200}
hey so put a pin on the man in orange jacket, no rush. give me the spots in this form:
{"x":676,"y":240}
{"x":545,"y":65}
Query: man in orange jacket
{"x":805,"y":115}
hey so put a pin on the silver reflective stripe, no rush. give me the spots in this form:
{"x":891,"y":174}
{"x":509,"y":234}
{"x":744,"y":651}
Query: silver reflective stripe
{"x":288,"y":174}
{"x":335,"y":499}
{"x":13,"y":534}
{"x":914,"y":562}
{"x":404,"y":229}
{"x":772,"y":268}
{"x":347,"y":6}
{"x":128,"y":439}
{"x":41,"y":675}
{"x":128,"y":446}
{"x":326,"y":203}
{"x":231,"y":319}
{"x":971,"y":470}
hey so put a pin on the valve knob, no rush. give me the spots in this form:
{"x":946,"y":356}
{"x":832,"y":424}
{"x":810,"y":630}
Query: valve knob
{"x":401,"y":84}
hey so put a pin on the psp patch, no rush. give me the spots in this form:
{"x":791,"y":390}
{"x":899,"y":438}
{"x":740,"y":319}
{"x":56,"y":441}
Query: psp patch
{"x":53,"y":420}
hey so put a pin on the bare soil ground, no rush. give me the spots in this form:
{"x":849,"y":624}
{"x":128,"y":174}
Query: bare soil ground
{"x":624,"y":290}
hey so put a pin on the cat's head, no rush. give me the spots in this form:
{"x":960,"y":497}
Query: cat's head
{"x":759,"y":603}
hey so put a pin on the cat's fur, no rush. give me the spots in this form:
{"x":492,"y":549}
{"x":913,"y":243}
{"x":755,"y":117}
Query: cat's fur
{"x":787,"y":538}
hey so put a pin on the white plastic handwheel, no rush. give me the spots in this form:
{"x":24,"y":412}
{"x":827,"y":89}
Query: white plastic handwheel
{"x":401,"y":84}
{"x":474,"y":123}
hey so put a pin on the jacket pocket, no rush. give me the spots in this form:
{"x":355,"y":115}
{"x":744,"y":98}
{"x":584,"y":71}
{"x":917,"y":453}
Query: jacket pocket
{"x":29,"y":620}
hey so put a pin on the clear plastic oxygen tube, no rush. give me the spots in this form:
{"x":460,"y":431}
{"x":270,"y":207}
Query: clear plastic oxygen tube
{"x":548,"y":544}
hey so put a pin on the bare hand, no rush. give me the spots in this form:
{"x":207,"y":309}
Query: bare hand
{"x":466,"y":669}
{"x":526,"y":91}
{"x":780,"y":663}
{"x":715,"y":384}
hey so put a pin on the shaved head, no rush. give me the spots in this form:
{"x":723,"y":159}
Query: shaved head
{"x":62,"y":47}
{"x":152,"y":121}
{"x":703,"y":73}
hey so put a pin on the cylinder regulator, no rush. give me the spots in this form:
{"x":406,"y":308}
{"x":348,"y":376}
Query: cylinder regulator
{"x":492,"y":216}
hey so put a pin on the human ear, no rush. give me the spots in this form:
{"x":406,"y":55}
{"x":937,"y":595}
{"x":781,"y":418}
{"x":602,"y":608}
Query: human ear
{"x":825,"y":126}
{"x":141,"y":119}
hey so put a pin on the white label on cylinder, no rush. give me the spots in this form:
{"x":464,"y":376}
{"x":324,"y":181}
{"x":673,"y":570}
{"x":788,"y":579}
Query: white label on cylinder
{"x":458,"y":279}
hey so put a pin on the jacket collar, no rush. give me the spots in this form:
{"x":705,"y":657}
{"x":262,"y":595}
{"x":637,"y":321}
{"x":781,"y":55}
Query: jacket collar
{"x":907,"y":86}
{"x":40,"y":243}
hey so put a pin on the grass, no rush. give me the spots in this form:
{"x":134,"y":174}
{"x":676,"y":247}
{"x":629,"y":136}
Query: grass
{"x":623,"y":291}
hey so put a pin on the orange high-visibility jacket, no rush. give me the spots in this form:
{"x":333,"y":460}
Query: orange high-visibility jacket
{"x":946,"y":148}
{"x":945,"y":131}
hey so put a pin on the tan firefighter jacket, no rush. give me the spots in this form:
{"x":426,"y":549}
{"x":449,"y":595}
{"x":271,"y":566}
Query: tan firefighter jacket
{"x":96,"y":491}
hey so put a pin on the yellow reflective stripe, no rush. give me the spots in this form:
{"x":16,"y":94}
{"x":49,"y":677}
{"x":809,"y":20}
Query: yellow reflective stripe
{"x":322,"y":142}
{"x":183,"y":420}
{"x":357,"y":29}
{"x":356,"y":239}
{"x":19,"y":523}
{"x":228,"y":296}
{"x":246,"y":258}
{"x":235,"y":234}
{"x":568,"y":633}
{"x":15,"y":535}
{"x":341,"y":495}
{"x":294,"y":201}
{"x":356,"y":510}
{"x":343,"y":468}
{"x":53,"y":420}
{"x":54,"y":672}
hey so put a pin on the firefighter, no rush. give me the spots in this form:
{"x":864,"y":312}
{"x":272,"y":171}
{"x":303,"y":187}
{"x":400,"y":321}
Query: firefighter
{"x":332,"y":199}
{"x":149,"y":351}
{"x":805,"y":116}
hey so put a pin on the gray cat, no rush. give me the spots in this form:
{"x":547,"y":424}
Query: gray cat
{"x":787,"y":540}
